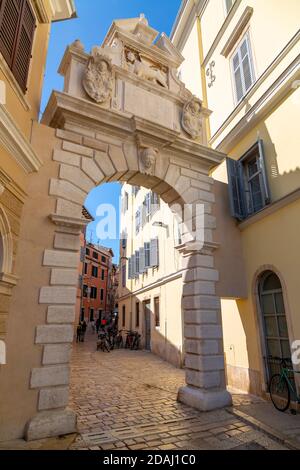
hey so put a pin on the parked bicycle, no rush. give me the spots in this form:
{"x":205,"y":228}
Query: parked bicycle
{"x":119,"y":340}
{"x":282,"y":385}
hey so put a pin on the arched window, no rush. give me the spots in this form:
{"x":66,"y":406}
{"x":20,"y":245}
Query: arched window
{"x":274,"y":318}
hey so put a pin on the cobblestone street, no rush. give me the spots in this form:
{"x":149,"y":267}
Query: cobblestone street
{"x":127,"y":400}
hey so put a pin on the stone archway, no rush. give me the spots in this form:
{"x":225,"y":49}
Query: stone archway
{"x":123,"y":116}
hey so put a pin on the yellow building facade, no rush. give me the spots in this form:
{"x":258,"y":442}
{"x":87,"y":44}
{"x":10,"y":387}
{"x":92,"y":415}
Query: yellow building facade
{"x":150,"y":287}
{"x":242,"y":60}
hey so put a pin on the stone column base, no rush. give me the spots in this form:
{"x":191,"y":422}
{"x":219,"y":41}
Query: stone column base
{"x":51,"y":424}
{"x":204,"y":400}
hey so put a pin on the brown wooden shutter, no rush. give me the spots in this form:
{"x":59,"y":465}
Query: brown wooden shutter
{"x":22,"y":56}
{"x":10,"y":13}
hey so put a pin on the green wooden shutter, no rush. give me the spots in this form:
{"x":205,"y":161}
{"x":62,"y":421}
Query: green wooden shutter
{"x":23,"y":49}
{"x":236,"y":189}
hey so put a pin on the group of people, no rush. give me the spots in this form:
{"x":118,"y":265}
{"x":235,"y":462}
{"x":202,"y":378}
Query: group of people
{"x":96,"y":326}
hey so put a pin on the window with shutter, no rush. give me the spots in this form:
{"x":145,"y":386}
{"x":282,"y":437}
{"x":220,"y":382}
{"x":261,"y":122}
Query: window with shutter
{"x":154,"y":252}
{"x":133,"y":271}
{"x":137,"y":263}
{"x":17,"y":26}
{"x":242,"y":68}
{"x":130,"y":268}
{"x":142,"y":260}
{"x":247,"y":182}
{"x":147,"y":255}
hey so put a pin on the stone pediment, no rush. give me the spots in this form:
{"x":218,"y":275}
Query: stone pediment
{"x":137,"y":75}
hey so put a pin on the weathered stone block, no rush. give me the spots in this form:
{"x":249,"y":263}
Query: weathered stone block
{"x":205,"y":261}
{"x":77,"y":177}
{"x":46,"y":334}
{"x":104,"y":162}
{"x":201,"y":302}
{"x":95,"y":144}
{"x":203,"y":379}
{"x":68,"y":209}
{"x":199,"y":287}
{"x":204,"y":347}
{"x":92,"y":170}
{"x":50,"y":376}
{"x":64,"y":277}
{"x":204,"y":363}
{"x":80,"y":129}
{"x":50,"y":398}
{"x":61,"y":314}
{"x":66,"y":241}
{"x":70,"y":136}
{"x":57,"y":354}
{"x":200,"y":274}
{"x":66,"y":157}
{"x":67,"y":190}
{"x":199,"y":317}
{"x":80,"y":149}
{"x":51,"y":423}
{"x":203,"y":331}
{"x":62,"y":259}
{"x":58,"y":295}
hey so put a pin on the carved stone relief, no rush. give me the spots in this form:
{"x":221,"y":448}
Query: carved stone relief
{"x":98,"y":78}
{"x":148,"y":158}
{"x":145,"y":69}
{"x":192,"y":118}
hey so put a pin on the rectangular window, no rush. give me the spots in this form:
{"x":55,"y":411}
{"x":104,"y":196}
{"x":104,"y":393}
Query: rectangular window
{"x":154,"y":253}
{"x":124,"y":275}
{"x":91,"y":314}
{"x":156,"y":312}
{"x":87,"y":252}
{"x":137,"y":221}
{"x":101,"y":294}
{"x":137,"y":262}
{"x":85,"y":268}
{"x":242,"y":68}
{"x":137,"y":314}
{"x":102,"y":275}
{"x":155,"y":203}
{"x":82,"y":314}
{"x":148,"y":206}
{"x":94,"y":271}
{"x":247,"y":183}
{"x":228,"y":5}
{"x":123,"y":316}
{"x":17,"y":27}
{"x":135,"y":190}
{"x":93,"y":292}
{"x":95,"y":255}
{"x":85,"y":290}
{"x":103,"y":259}
{"x":147,"y":255}
{"x":124,"y":240}
{"x":124,"y":203}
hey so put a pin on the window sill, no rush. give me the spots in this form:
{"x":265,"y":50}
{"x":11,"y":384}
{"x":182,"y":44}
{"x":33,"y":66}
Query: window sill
{"x":13,"y":83}
{"x":270,"y":209}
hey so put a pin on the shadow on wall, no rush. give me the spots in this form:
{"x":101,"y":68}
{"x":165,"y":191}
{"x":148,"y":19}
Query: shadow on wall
{"x":160,"y":344}
{"x":236,"y":278}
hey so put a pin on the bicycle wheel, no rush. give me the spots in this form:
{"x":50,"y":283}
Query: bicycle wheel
{"x":280,"y":392}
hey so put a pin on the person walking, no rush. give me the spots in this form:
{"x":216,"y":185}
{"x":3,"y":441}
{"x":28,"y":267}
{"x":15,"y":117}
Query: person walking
{"x":78,"y":333}
{"x":98,"y":325}
{"x":83,"y":330}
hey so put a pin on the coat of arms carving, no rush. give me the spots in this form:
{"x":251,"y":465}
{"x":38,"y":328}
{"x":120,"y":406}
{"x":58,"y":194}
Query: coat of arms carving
{"x":192,"y":118}
{"x":98,"y":78}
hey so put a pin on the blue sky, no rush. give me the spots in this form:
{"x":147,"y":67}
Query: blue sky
{"x":94,"y":19}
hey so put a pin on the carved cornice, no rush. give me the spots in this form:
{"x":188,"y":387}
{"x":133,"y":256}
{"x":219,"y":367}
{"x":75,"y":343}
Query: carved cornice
{"x":63,"y":107}
{"x":70,"y":222}
{"x":43,"y":13}
{"x":16,"y":144}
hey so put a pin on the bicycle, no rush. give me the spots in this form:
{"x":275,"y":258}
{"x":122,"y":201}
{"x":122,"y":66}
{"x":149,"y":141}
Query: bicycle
{"x":281,"y":386}
{"x":103,"y":342}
